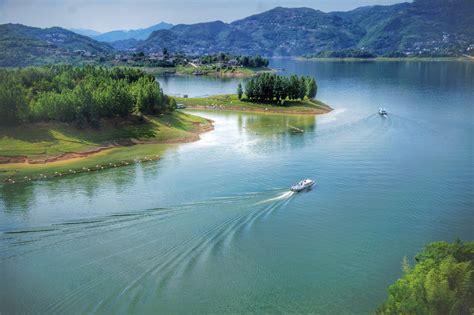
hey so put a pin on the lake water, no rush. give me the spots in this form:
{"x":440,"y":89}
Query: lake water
{"x":212,"y":228}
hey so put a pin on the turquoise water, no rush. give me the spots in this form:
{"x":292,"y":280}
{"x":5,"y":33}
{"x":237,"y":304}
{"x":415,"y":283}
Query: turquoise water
{"x":212,"y":228}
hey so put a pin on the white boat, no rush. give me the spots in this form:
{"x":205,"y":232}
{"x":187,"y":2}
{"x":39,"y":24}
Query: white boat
{"x":382,"y":111}
{"x":302,"y":185}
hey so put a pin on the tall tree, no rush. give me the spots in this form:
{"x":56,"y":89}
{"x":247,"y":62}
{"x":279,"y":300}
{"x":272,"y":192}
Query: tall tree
{"x":302,"y":88}
{"x":239,"y":91}
{"x":311,"y":88}
{"x":12,"y":103}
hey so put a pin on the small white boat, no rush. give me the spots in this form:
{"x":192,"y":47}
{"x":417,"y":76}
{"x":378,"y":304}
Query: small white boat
{"x":382,"y":111}
{"x":302,"y":185}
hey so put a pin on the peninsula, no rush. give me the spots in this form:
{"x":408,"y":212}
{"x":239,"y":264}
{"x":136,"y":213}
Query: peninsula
{"x":63,"y":120}
{"x":269,"y":93}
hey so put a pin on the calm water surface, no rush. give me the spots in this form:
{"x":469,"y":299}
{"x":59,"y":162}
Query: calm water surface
{"x":212,"y":228}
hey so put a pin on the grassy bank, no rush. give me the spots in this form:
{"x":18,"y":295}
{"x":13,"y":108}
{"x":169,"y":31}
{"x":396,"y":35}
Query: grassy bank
{"x":211,"y":70}
{"x":55,"y":149}
{"x":232,"y":103}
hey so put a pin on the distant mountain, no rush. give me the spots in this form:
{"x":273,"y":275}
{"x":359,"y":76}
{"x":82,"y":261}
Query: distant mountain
{"x":22,"y":45}
{"x":410,"y":27}
{"x":138,"y":34}
{"x":280,"y":31}
{"x":198,"y":38}
{"x":85,"y":32}
{"x":286,"y":31}
{"x":126,"y":44}
{"x":422,"y":26}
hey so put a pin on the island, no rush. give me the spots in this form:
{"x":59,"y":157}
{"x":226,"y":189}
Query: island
{"x":269,"y":93}
{"x":64,"y":120}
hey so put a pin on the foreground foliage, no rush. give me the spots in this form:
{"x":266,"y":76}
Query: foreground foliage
{"x":441,"y":282}
{"x":80,"y":95}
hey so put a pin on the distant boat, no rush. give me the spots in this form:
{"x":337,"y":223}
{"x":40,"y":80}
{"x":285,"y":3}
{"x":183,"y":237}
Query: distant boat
{"x":302,"y":185}
{"x":382,"y":111}
{"x":180,"y":106}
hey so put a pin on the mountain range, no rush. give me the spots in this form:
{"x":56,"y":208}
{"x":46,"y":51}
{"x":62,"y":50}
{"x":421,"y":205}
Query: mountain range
{"x":138,"y":34}
{"x":434,"y":27}
{"x":423,"y":25}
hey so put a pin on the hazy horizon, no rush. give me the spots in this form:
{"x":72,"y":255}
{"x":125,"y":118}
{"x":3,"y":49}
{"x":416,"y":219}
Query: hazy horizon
{"x":108,"y":15}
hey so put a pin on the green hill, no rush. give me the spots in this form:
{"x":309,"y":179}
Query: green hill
{"x":22,"y":45}
{"x":280,"y":31}
{"x":424,"y":25}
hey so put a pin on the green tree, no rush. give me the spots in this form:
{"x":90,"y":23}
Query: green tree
{"x":442,"y":282}
{"x":311,"y":88}
{"x":271,"y":87}
{"x":81,"y":95}
{"x":12,"y":104}
{"x":239,"y":91}
{"x":302,"y":88}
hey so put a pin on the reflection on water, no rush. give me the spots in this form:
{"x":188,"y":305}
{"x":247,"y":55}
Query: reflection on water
{"x":279,"y":124}
{"x":212,"y":227}
{"x":278,"y":131}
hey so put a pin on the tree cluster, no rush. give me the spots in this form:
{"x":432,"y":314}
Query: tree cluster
{"x":442,"y":282}
{"x":344,"y":53}
{"x":80,"y":95}
{"x":253,"y":61}
{"x":244,"y":61}
{"x":272,"y":87}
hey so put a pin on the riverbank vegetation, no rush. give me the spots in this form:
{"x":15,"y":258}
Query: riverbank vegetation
{"x":231,"y":102}
{"x":365,"y":55}
{"x":345,"y":53}
{"x":441,"y":282}
{"x":79,"y":95}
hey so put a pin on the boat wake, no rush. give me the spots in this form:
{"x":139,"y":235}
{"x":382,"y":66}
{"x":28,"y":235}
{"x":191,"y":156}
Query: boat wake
{"x":284,"y":195}
{"x":148,"y":264}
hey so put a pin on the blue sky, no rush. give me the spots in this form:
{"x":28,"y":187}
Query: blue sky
{"x":106,"y":15}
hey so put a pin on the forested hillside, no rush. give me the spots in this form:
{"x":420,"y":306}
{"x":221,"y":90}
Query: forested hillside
{"x":437,"y":27}
{"x":22,"y":45}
